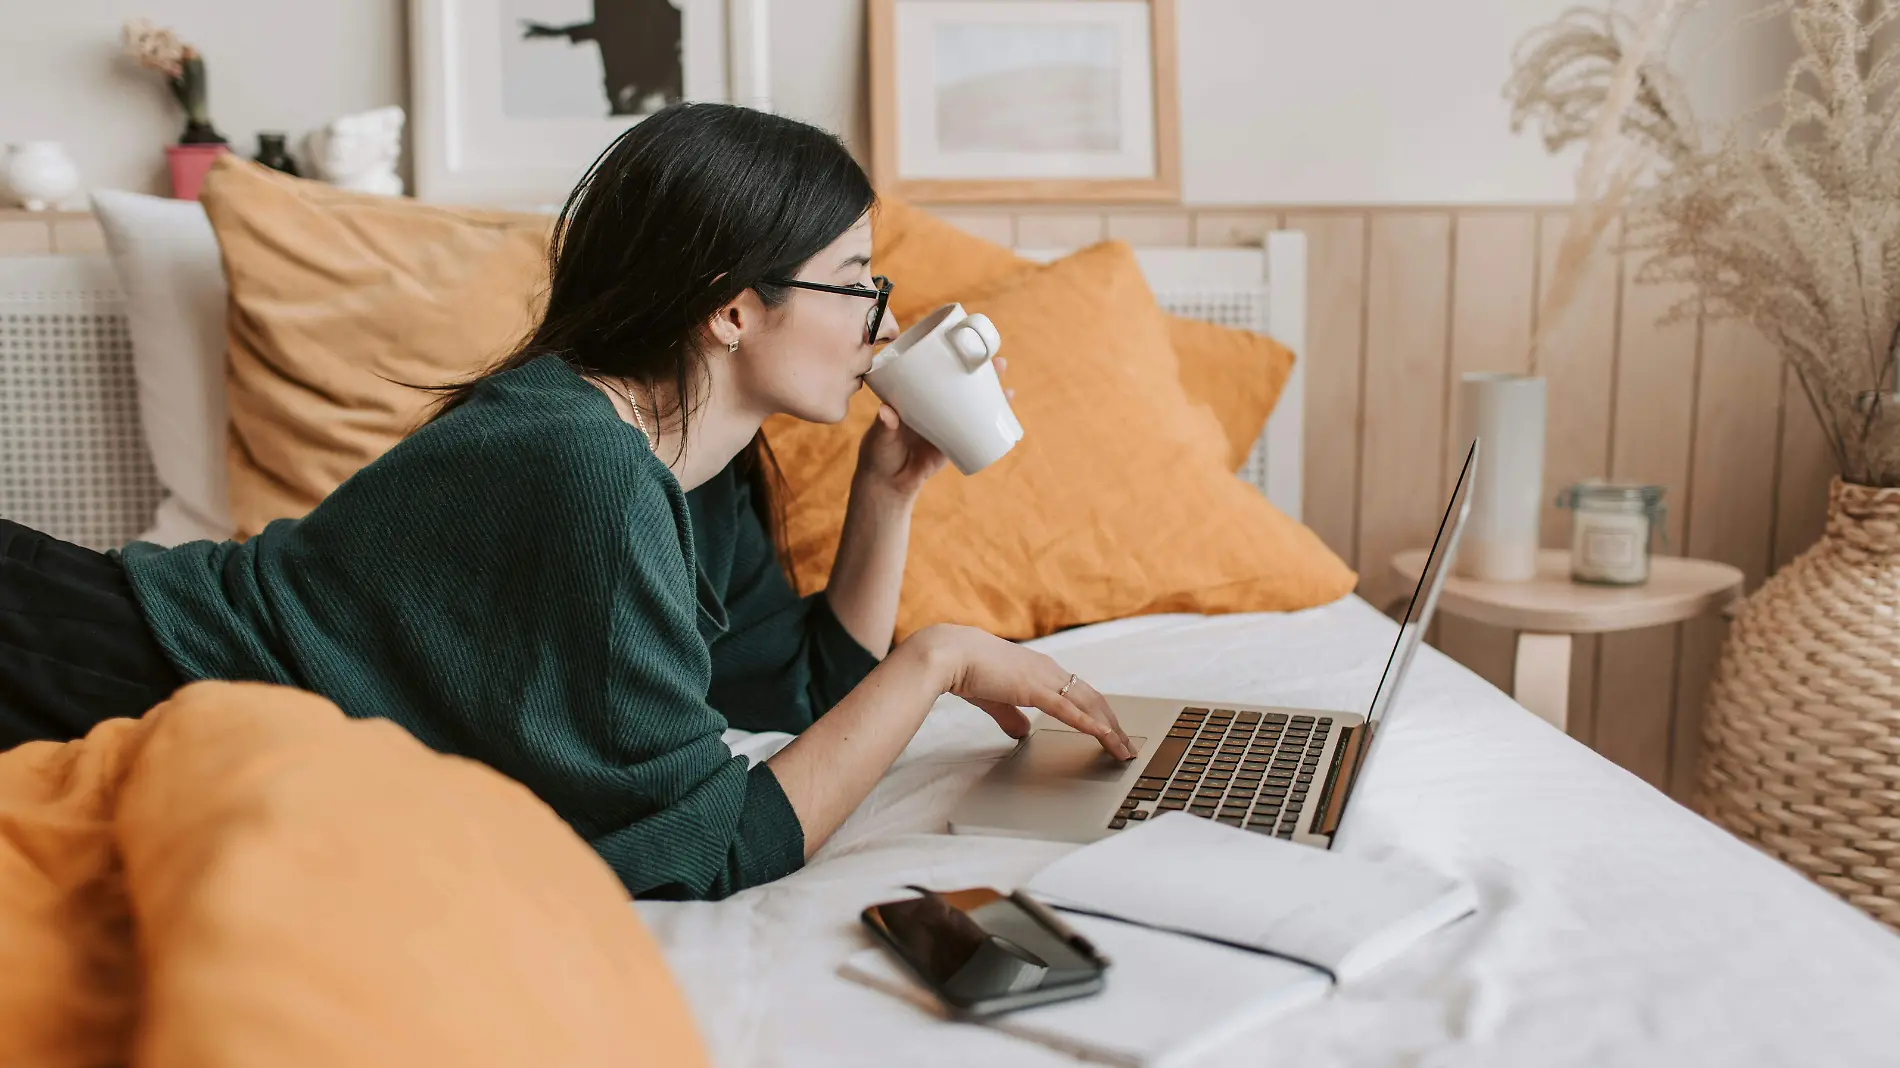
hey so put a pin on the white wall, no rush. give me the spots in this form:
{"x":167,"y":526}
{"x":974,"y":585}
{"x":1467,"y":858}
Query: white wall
{"x":1357,"y":101}
{"x":818,"y":67}
{"x":272,"y":64}
{"x":1283,"y":101}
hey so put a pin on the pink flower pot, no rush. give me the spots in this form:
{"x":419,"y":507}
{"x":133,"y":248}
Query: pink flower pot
{"x":188,"y":165}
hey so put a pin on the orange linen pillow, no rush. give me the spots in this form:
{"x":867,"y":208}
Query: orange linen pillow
{"x":1236,"y":373}
{"x":336,"y":298}
{"x":243,"y":876}
{"x":1119,"y":501}
{"x":69,"y":966}
{"x":315,"y":890}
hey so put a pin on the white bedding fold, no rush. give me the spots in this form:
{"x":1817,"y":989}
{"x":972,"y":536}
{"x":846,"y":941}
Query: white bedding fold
{"x":1616,"y":927}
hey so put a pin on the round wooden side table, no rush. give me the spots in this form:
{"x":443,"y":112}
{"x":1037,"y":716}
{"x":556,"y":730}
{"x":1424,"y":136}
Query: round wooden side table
{"x":1548,"y":609}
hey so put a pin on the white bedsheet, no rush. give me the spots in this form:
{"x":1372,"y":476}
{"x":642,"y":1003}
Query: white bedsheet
{"x":1617,"y":927}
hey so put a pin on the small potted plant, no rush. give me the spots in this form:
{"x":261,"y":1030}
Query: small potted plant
{"x":159,"y":49}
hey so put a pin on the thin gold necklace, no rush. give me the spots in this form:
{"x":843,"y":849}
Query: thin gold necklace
{"x":639,"y":420}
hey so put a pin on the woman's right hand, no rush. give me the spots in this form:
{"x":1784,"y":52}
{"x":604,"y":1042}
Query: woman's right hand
{"x":998,"y":676}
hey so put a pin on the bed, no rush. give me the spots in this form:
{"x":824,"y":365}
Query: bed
{"x":1617,"y":928}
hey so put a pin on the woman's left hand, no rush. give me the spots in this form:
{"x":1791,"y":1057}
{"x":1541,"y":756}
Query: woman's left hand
{"x":895,"y":460}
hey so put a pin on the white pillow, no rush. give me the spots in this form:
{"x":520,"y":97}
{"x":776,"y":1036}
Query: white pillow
{"x":175,"y":296}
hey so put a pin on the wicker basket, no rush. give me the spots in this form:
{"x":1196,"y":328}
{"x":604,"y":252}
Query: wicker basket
{"x":1803,"y":722}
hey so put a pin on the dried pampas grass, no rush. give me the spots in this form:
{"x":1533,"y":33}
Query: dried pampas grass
{"x":1796,"y":230}
{"x":1581,"y":83}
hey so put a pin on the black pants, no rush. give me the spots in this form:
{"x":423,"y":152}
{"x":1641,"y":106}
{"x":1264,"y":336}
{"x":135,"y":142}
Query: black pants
{"x":74,"y":648}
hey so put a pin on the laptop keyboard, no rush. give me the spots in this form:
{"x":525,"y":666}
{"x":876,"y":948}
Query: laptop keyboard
{"x":1247,"y":769}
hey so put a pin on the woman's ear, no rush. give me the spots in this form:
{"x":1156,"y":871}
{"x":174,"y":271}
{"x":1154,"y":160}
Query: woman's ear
{"x":738,"y":318}
{"x":724,"y":327}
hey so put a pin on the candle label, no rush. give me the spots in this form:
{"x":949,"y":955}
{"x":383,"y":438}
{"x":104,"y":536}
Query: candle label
{"x":1610,"y":547}
{"x":1603,"y":548}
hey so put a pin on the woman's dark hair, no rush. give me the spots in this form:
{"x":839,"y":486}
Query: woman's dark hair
{"x":687,"y":209}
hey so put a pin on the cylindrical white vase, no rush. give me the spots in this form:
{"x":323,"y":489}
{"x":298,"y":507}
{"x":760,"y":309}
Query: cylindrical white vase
{"x":1506,"y":412}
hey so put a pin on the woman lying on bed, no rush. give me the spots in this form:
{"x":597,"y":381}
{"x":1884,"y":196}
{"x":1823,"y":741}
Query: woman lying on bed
{"x":567,"y":573}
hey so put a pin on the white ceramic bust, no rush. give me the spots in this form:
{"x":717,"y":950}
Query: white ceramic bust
{"x":360,"y":151}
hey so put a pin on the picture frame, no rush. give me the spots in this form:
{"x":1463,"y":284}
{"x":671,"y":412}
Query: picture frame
{"x":502,"y":123}
{"x":1024,"y":100}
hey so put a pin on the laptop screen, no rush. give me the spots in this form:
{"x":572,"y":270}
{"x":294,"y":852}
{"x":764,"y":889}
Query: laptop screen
{"x":1418,"y":613}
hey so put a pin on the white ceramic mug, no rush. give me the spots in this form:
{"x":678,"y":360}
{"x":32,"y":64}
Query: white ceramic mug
{"x":940,"y":375}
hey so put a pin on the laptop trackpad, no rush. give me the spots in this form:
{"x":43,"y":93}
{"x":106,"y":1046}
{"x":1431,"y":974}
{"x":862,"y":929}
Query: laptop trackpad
{"x":1062,"y":754}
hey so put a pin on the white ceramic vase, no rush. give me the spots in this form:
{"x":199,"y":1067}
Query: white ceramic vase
{"x":40,"y":174}
{"x":1507,"y":497}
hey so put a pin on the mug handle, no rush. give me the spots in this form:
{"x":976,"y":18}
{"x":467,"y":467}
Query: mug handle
{"x":975,"y":340}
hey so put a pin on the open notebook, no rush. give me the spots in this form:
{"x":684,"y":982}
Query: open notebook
{"x":1209,"y":929}
{"x":1198,"y":877}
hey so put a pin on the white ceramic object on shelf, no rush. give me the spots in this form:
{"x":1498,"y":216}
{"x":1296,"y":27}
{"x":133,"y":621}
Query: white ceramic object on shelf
{"x":1507,"y":412}
{"x":40,"y":174}
{"x":360,"y":151}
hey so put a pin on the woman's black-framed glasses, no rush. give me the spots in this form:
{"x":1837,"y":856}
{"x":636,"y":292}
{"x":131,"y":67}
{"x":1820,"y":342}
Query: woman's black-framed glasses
{"x":872,"y":320}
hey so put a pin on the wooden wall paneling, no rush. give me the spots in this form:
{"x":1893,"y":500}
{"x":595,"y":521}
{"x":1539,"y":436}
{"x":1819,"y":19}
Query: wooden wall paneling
{"x":1730,"y":507}
{"x":1651,"y":432}
{"x":1164,"y":228}
{"x":1494,"y":282}
{"x":1580,"y":366}
{"x":35,"y":233}
{"x":1227,"y":228}
{"x":1058,"y":229}
{"x":1807,"y":466}
{"x":1579,"y":370}
{"x":24,"y":236}
{"x":1335,"y":342}
{"x":78,"y":234}
{"x":1635,"y":710}
{"x":1408,"y":291}
{"x":1586,"y":655}
{"x":1493,"y":293}
{"x":997,"y":226}
{"x":1404,"y":300}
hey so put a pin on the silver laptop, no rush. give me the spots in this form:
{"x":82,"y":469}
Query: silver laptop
{"x":1287,"y":772}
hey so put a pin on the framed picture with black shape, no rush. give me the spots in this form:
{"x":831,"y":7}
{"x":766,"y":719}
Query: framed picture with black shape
{"x":1024,"y":100}
{"x":514,"y":98}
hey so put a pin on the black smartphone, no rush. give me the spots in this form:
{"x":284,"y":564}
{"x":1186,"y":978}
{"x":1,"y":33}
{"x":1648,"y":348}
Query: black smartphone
{"x":983,"y":953}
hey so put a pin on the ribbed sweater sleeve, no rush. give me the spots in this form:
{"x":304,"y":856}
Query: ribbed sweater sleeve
{"x":704,"y":827}
{"x":518,"y":583}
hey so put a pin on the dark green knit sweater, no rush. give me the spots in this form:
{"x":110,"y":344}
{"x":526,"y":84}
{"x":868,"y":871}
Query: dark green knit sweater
{"x":522,"y":582}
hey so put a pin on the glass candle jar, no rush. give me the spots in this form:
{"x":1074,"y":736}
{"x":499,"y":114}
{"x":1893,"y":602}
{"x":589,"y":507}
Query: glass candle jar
{"x":1610,"y":530}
